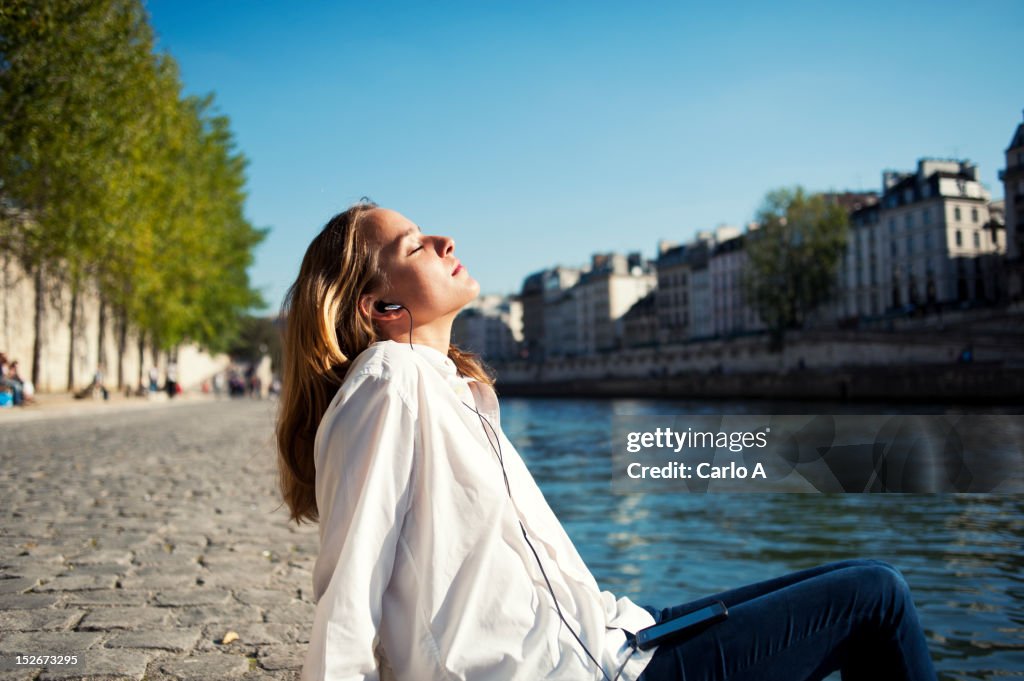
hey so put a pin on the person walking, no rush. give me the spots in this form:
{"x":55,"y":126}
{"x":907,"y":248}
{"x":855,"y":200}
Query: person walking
{"x":171,"y":383}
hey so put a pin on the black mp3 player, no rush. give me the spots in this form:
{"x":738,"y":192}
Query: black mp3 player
{"x":670,"y":629}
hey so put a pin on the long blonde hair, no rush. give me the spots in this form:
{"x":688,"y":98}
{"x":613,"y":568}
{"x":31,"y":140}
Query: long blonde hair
{"x":323,"y":332}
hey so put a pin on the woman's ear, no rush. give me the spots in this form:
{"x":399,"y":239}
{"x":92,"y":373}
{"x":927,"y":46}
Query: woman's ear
{"x":365,"y":305}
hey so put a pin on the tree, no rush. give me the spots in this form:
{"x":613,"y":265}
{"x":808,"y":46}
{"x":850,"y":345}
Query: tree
{"x":792,"y":258}
{"x":67,"y":88}
{"x":124,"y":183}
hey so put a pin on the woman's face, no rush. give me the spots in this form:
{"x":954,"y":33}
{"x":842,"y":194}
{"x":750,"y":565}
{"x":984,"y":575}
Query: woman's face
{"x":423,"y":273}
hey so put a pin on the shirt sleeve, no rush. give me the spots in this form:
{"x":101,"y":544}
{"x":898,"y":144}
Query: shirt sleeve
{"x":364,"y":472}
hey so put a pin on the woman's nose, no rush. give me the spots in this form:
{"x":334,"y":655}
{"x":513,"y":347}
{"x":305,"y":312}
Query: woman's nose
{"x":447,"y":245}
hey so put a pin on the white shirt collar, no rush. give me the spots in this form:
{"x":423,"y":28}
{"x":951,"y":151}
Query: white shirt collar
{"x":437,"y":359}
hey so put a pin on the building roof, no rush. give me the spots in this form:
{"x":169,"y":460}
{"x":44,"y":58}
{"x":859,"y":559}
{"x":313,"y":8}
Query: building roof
{"x":641,"y":308}
{"x":1018,"y":138}
{"x":733,"y":244}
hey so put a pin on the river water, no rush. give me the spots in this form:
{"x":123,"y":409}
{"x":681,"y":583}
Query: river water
{"x":963,"y":554}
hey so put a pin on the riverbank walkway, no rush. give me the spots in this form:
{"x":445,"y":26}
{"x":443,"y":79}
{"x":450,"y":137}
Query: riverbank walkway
{"x":147,"y":537}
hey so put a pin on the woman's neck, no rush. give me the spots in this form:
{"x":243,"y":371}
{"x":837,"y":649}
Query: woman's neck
{"x":436,"y":337}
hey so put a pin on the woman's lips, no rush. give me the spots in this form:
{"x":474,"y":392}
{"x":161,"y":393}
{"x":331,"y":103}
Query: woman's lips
{"x":458,"y":269}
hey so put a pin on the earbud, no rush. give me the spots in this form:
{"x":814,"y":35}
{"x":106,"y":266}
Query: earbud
{"x":381,"y":306}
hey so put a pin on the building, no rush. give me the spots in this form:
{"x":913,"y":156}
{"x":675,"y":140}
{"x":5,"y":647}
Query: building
{"x":539,"y":290}
{"x":640,"y":323}
{"x":730,"y":313}
{"x":1013,"y":209}
{"x":859,"y":289}
{"x":491,"y":326}
{"x":604,"y":294}
{"x":560,"y":327}
{"x":677,"y":308}
{"x":934,"y":242}
{"x":673,"y":300}
{"x":702,"y":323}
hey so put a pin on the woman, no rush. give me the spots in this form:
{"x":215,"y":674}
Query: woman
{"x":439,"y":556}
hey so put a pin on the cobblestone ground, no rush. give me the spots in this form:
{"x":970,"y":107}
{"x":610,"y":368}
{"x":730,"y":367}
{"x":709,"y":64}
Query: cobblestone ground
{"x":140,"y":539}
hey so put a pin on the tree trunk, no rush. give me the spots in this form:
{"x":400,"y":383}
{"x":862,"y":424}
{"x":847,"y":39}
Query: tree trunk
{"x":72,"y":335}
{"x":122,"y":343}
{"x":37,"y":344}
{"x":6,"y":289}
{"x":142,"y":354}
{"x":101,"y":345}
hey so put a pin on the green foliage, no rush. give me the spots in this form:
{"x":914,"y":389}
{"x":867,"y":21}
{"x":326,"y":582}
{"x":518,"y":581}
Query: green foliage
{"x":127,"y":183}
{"x":792,"y":257}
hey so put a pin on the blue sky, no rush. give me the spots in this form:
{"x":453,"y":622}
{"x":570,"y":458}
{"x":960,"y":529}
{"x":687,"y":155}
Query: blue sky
{"x":538,"y":133}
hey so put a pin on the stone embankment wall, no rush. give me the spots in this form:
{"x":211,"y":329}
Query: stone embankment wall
{"x":906,"y":365}
{"x":17,"y":335}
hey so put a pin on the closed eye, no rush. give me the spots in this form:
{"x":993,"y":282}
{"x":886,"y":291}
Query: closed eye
{"x":416,"y":249}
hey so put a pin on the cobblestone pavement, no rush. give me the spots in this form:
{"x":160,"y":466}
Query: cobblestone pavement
{"x":139,"y":539}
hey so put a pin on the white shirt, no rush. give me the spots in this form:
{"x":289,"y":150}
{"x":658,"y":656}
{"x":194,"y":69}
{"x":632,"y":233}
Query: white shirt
{"x":422,"y":559}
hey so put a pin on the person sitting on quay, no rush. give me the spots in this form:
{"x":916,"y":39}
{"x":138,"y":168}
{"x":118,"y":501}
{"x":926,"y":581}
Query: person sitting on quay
{"x":10,"y":379}
{"x":95,"y":388}
{"x":28,"y":391}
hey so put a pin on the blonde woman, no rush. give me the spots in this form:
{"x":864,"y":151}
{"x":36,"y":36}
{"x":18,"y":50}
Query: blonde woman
{"x":439,"y":556}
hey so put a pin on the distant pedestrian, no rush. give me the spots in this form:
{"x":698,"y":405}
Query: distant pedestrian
{"x":154,"y":379}
{"x":97,"y":382}
{"x":171,"y":384}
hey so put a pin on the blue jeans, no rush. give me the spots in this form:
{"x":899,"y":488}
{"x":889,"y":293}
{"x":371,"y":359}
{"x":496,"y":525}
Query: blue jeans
{"x":855,"y":616}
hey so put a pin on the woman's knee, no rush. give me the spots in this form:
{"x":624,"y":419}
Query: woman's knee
{"x":892,"y":575}
{"x":879,"y":578}
{"x":888,"y":590}
{"x":869,"y":563}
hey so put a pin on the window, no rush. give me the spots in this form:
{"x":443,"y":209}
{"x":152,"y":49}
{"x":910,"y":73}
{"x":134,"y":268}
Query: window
{"x":909,"y":220}
{"x":894,"y":250}
{"x":956,"y":213}
{"x":959,"y":241}
{"x":974,"y":215}
{"x":892,"y":226}
{"x":927,"y":241}
{"x":977,"y":239}
{"x":910,"y":245}
{"x":926,"y":215}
